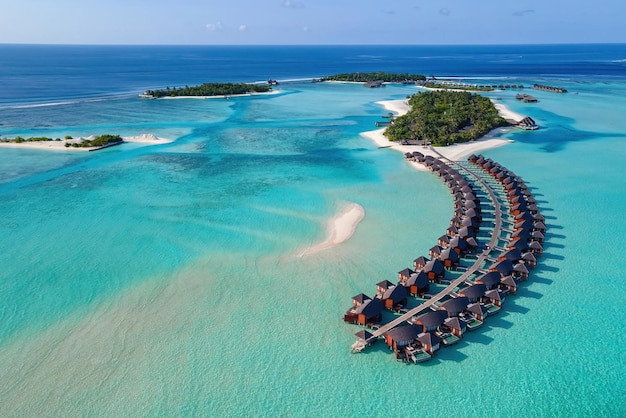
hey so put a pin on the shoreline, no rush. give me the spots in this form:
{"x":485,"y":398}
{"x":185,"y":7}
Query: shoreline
{"x":340,"y":228}
{"x":453,"y":152}
{"x":146,"y":139}
{"x":221,"y":96}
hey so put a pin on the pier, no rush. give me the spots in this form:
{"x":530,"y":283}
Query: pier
{"x":549,"y":88}
{"x":481,"y":288}
{"x":472,"y":270}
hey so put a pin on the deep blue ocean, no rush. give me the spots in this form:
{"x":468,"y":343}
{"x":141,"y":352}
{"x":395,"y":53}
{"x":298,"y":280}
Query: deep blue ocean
{"x":169,"y":279}
{"x":45,"y":73}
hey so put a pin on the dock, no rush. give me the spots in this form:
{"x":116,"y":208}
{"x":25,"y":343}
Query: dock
{"x":471,"y":270}
{"x":479,"y":291}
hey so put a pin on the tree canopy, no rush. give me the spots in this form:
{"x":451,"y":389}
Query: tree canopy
{"x":209,"y":89}
{"x":376,"y":76}
{"x":445,"y":118}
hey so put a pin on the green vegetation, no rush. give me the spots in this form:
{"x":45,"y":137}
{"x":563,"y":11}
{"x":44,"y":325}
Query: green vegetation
{"x":19,"y":139}
{"x":378,"y":76}
{"x":98,"y":141}
{"x":445,"y":118}
{"x":209,"y":89}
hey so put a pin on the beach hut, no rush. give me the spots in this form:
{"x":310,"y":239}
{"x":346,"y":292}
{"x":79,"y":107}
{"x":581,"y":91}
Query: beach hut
{"x":474,"y":292}
{"x":429,"y":342}
{"x":455,"y":306}
{"x":394,"y":296}
{"x":420,"y":262}
{"x":449,"y":257}
{"x":418,"y":283}
{"x":490,"y":279}
{"x":369,"y":312}
{"x":435,"y":270}
{"x":401,"y":337}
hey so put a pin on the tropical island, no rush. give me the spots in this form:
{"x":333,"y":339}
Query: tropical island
{"x":207,"y":90}
{"x":376,"y":77}
{"x":445,"y":118}
{"x":90,"y":143}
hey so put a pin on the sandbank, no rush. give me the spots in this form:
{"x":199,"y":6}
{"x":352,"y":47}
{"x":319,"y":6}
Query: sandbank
{"x":507,"y":113}
{"x":454,"y":152}
{"x":340,"y":228}
{"x":147,"y":139}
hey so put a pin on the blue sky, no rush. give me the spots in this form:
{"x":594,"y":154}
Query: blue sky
{"x":312,"y":21}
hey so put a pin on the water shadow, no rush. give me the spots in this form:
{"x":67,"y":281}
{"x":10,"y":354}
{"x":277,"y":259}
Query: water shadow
{"x":512,"y":307}
{"x":526,"y":293}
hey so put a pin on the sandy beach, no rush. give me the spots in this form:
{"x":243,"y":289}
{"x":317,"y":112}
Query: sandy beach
{"x":340,"y":228}
{"x":453,"y":152}
{"x":147,"y":139}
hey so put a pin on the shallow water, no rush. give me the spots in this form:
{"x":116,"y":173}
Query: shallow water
{"x":165,"y":280}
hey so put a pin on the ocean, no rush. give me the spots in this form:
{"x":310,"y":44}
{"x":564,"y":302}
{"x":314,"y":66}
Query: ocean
{"x":167,"y":280}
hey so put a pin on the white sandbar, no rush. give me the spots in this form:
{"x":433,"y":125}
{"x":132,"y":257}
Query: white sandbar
{"x":340,"y":228}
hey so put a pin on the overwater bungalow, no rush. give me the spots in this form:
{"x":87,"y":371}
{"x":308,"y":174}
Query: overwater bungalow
{"x":395,"y":297}
{"x":455,"y":326}
{"x":418,"y":283}
{"x":443,"y":241}
{"x":431,"y":320}
{"x":466,"y":232}
{"x":360,"y":299}
{"x":513,"y":255}
{"x":381,"y":287}
{"x":530,"y":259}
{"x":536,"y":248}
{"x":420,"y":262}
{"x":490,"y":279}
{"x":435,"y":270}
{"x":455,"y":306}
{"x":403,"y":275}
{"x":369,"y":312}
{"x":435,"y":251}
{"x":400,"y":337}
{"x":520,"y":270}
{"x":459,"y":245}
{"x":474,"y":292}
{"x":473,"y":244}
{"x":430,"y":342}
{"x":539,"y":226}
{"x":477,"y":310}
{"x":508,"y":284}
{"x":504,"y":267}
{"x":450,"y":258}
{"x":493,"y":301}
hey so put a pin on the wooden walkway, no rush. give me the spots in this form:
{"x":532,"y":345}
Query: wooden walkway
{"x":495,"y":237}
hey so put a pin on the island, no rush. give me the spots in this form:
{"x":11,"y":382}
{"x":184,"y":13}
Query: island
{"x":375,"y":77}
{"x":207,"y":90}
{"x":90,"y":143}
{"x":445,"y":117}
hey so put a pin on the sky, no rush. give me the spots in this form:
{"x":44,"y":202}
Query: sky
{"x":289,"y":22}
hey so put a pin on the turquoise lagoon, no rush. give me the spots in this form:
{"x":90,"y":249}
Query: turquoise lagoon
{"x":166,"y":280}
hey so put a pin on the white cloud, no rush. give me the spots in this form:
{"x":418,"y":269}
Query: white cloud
{"x":214,"y":26}
{"x":293,"y":4}
{"x":305,"y":29}
{"x":242,"y":28}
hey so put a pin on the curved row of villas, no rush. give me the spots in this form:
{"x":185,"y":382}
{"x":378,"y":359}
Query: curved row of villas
{"x":469,"y":304}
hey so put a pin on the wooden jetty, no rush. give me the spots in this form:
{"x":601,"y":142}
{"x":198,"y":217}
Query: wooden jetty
{"x":482,"y":287}
{"x":549,"y":88}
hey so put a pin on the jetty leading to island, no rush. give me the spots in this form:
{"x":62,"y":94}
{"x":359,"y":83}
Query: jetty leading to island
{"x":487,"y":195}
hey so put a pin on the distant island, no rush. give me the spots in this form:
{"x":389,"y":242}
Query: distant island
{"x":207,"y":90}
{"x":90,"y":143}
{"x":445,"y":118}
{"x":376,"y":77}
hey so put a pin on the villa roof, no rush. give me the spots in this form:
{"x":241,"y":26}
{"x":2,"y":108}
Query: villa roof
{"x":449,"y":254}
{"x":406,"y":272}
{"x":435,"y":265}
{"x":476,"y":308}
{"x":385,"y":284}
{"x":432,"y":318}
{"x":426,"y":338}
{"x":489,"y":279}
{"x":396,"y":293}
{"x":361,"y":298}
{"x":370,"y":308}
{"x":419,"y":279}
{"x":405,"y":333}
{"x":474,"y":291}
{"x":454,"y":323}
{"x":364,"y":334}
{"x":455,"y":305}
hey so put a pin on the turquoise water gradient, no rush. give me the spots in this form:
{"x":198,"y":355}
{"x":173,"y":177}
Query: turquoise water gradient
{"x":166,"y":280}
